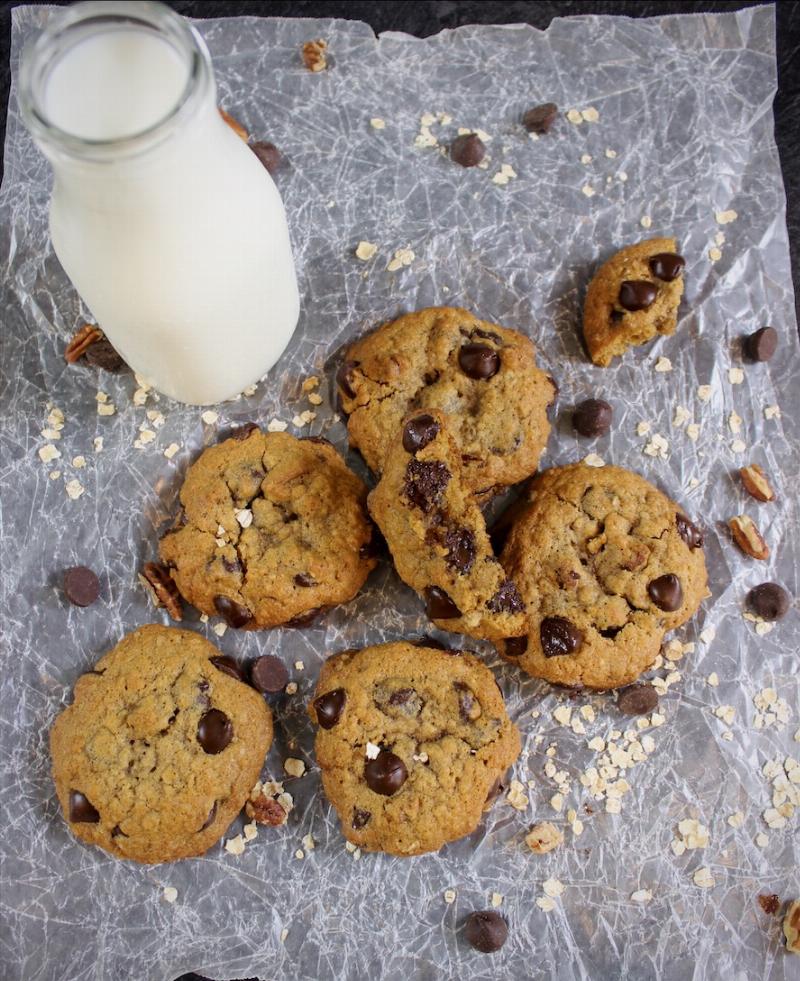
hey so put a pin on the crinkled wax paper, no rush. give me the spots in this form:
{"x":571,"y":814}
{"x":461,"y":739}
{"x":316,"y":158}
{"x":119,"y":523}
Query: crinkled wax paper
{"x":683,"y":132}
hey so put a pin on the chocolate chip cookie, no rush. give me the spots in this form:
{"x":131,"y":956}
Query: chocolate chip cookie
{"x":606,"y":564}
{"x":274,"y":530}
{"x":483,"y":376}
{"x":633,"y":298}
{"x":437,"y":535}
{"x":412,"y":744}
{"x":160,"y":747}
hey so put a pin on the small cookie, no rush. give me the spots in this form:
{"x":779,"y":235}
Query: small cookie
{"x":412,"y":744}
{"x":483,"y":376}
{"x":633,"y":298}
{"x":606,"y":564}
{"x":160,"y":747}
{"x":275,"y":529}
{"x":437,"y":535}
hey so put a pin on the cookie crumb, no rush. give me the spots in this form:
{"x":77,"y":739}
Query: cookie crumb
{"x":504,"y":175}
{"x":170,"y":894}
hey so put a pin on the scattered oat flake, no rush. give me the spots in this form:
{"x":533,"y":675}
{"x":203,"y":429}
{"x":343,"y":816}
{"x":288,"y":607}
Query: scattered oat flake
{"x":449,"y":895}
{"x":726,"y":713}
{"x":772,"y":412}
{"x":235,"y":846}
{"x":140,"y":396}
{"x":219,"y":629}
{"x":209,"y":417}
{"x":713,"y":679}
{"x":48,"y":453}
{"x":663,"y":364}
{"x":735,"y":422}
{"x":74,"y":489}
{"x":641,"y":896}
{"x":546,"y":904}
{"x":645,"y":221}
{"x":642,"y":428}
{"x":299,"y":853}
{"x":719,"y":238}
{"x":497,"y":900}
{"x":693,"y":431}
{"x":704,"y":392}
{"x":657,"y":447}
{"x":594,"y":460}
{"x":590,"y":115}
{"x":553,"y":888}
{"x":611,"y":154}
{"x":171,"y":450}
{"x":735,"y":376}
{"x":54,"y":474}
{"x":250,"y":831}
{"x":377,"y":123}
{"x":586,"y":158}
{"x":402,"y":257}
{"x":245,"y":517}
{"x":736,"y":820}
{"x":703,"y":878}
{"x":294,"y":767}
{"x":79,"y":462}
{"x":762,"y":839}
{"x":308,"y":843}
{"x":291,"y":688}
{"x":315,"y":399}
{"x":285,"y":932}
{"x":574,"y":116}
{"x":299,"y":665}
{"x":170,"y":894}
{"x":156,"y":417}
{"x":277,"y":426}
{"x":622,"y":176}
{"x":725,"y":217}
{"x":504,"y":175}
{"x":738,"y":446}
{"x":372,"y":751}
{"x":588,"y":190}
{"x":714,"y":254}
{"x":106,"y":408}
{"x":366,"y":250}
{"x":707,"y":635}
{"x":516,"y":796}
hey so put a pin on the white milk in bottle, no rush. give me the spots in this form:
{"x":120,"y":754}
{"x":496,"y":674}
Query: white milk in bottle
{"x":168,"y":225}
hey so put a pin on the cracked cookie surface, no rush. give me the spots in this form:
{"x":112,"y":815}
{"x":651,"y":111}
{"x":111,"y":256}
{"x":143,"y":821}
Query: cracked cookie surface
{"x":633,"y":297}
{"x":412,"y":743}
{"x":483,"y":376}
{"x":275,"y":530}
{"x":606,"y":564}
{"x":159,"y":749}
{"x":437,"y":534}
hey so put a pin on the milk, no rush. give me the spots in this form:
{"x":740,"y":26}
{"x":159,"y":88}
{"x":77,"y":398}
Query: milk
{"x":180,"y":248}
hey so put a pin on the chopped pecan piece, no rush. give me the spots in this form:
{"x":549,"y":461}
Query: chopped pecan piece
{"x":235,"y":125}
{"x":162,"y":589}
{"x":314,"y":55}
{"x":748,"y":537}
{"x":83,"y":338}
{"x":265,"y":810}
{"x":756,"y":483}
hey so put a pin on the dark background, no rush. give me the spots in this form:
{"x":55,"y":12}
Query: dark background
{"x":425,"y":17}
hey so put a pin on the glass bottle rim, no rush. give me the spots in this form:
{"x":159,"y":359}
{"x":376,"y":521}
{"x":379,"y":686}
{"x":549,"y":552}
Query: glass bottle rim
{"x":72,"y":25}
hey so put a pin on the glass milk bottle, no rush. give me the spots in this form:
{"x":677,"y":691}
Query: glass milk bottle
{"x":166,"y":222}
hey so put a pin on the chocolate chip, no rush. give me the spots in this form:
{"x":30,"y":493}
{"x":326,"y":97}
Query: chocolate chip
{"x":233,"y":613}
{"x":386,"y":774}
{"x":305,"y":579}
{"x":329,"y":707}
{"x":768,"y":601}
{"x":479,"y":361}
{"x":637,"y":699}
{"x":243,"y":431}
{"x":428,"y":641}
{"x":307,"y":617}
{"x":231,"y":565}
{"x":461,"y":549}
{"x":761,"y":345}
{"x":666,"y":592}
{"x":102,"y":354}
{"x":495,"y":790}
{"x":438,"y":604}
{"x":516,"y":646}
{"x":268,"y":674}
{"x":689,"y":531}
{"x":539,"y":119}
{"x":617,"y":316}
{"x":322,"y":440}
{"x":212,"y":814}
{"x":214,"y":731}
{"x":592,"y":417}
{"x":117,"y":832}
{"x":360,"y":818}
{"x":228,"y":666}
{"x":268,"y":154}
{"x":425,"y":483}
{"x":637,"y":294}
{"x":81,"y":810}
{"x":559,"y":637}
{"x":486,"y":931}
{"x":467,"y":150}
{"x":506,"y":599}
{"x":344,"y":378}
{"x":468,"y":705}
{"x":418,"y":432}
{"x":81,"y":585}
{"x":667,"y":265}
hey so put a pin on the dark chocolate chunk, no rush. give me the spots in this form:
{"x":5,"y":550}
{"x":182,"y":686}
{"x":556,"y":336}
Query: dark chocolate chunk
{"x":425,"y":483}
{"x":666,"y":592}
{"x":506,"y":599}
{"x":768,"y":601}
{"x":418,"y":432}
{"x":243,"y":431}
{"x":228,"y":666}
{"x":307,"y":617}
{"x":592,"y":417}
{"x":516,"y":646}
{"x":539,"y":119}
{"x":344,"y":378}
{"x":637,"y":294}
{"x":386,"y":774}
{"x":667,"y":266}
{"x":268,"y":674}
{"x":81,"y":585}
{"x":637,"y":699}
{"x":559,"y":637}
{"x":495,"y":790}
{"x":467,"y":150}
{"x":329,"y":707}
{"x":268,"y":154}
{"x":761,"y":345}
{"x":214,"y":731}
{"x":360,"y":818}
{"x":617,"y":316}
{"x":438,"y":604}
{"x":81,"y":809}
{"x":461,"y":549}
{"x":305,"y":579}
{"x":212,"y":814}
{"x":689,"y":531}
{"x":479,"y":361}
{"x":233,"y":613}
{"x":486,"y":931}
{"x":102,"y":354}
{"x":469,"y":707}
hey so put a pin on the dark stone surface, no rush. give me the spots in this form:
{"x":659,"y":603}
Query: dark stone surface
{"x":425,"y":17}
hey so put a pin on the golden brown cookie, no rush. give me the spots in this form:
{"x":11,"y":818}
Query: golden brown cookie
{"x":437,"y":535}
{"x":483,"y":376}
{"x":633,"y":298}
{"x":606,"y":564}
{"x":160,"y":747}
{"x":275,"y":529}
{"x":412,"y":744}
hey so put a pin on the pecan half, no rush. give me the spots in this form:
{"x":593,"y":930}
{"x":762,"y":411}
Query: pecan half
{"x":756,"y":483}
{"x":265,"y":810}
{"x":83,"y":338}
{"x":314,"y":55}
{"x":162,"y":589}
{"x":235,"y":125}
{"x":748,"y":537}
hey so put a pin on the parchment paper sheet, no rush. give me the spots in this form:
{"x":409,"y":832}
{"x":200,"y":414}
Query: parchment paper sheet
{"x":685,"y":103}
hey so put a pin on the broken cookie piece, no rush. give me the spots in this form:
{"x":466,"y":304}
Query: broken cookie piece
{"x":633,"y":297}
{"x":437,"y":535}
